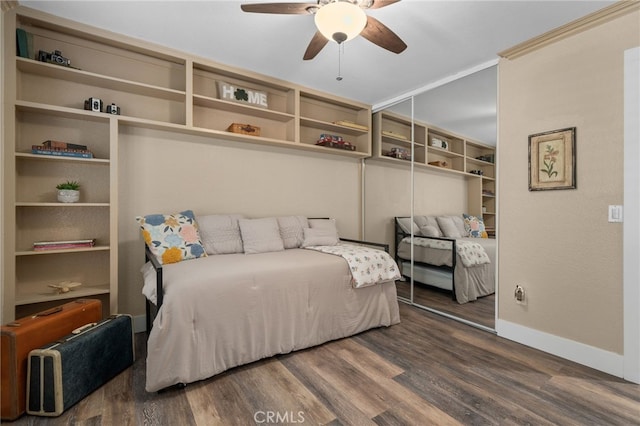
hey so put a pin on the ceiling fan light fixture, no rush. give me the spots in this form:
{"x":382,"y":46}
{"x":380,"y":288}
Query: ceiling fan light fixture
{"x":340,"y":21}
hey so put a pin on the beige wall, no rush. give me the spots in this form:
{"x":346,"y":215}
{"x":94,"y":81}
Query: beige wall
{"x":559,"y":244}
{"x":387,"y":194}
{"x":162,"y":172}
{"x":165,"y":172}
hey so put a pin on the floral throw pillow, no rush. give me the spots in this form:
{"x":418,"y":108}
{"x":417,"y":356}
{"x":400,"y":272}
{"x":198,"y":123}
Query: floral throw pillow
{"x":475,"y":226}
{"x":172,"y":237}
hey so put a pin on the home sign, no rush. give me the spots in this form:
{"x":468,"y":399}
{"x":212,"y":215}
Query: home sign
{"x":229,"y":92}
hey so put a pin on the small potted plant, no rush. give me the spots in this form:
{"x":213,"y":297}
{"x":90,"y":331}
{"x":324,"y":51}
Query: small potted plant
{"x":68,"y":192}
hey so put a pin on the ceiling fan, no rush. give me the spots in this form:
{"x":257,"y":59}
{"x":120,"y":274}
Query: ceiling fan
{"x":339,"y":20}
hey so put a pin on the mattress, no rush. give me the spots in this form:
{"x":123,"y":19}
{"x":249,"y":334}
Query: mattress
{"x":227,"y":310}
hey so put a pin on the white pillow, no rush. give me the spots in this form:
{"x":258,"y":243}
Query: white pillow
{"x":328,"y":224}
{"x":260,"y":235}
{"x":220,"y":234}
{"x":291,"y":230}
{"x":448,"y":227}
{"x":319,"y":237}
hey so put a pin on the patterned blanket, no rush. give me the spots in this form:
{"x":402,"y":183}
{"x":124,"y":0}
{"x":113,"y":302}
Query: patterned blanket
{"x":470,"y":253}
{"x":368,"y":266}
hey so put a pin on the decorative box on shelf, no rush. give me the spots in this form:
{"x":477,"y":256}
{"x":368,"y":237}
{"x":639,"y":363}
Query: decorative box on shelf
{"x":332,"y":141}
{"x":244,"y":129}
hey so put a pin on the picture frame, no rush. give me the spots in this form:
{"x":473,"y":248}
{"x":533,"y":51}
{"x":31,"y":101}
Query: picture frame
{"x":552,"y":160}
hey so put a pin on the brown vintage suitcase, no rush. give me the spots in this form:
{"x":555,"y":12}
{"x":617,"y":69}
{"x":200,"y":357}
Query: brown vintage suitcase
{"x":21,"y":336}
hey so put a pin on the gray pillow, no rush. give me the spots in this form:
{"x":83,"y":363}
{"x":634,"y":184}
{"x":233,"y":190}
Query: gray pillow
{"x":428,"y":221}
{"x":319,"y":237}
{"x":430,"y":231}
{"x":448,"y":227}
{"x":291,"y":230}
{"x":220,"y":234}
{"x":260,"y":235}
{"x":406,"y":225}
{"x":459,"y":222}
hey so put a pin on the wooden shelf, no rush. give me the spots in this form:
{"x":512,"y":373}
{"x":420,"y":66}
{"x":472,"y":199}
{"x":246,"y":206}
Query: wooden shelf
{"x":61,"y":111}
{"x":156,"y":89}
{"x":58,"y":72}
{"x":479,"y":162}
{"x":64,"y":205}
{"x":47,"y":252}
{"x":48,"y":294}
{"x":239,"y":108}
{"x":39,"y":157}
{"x":331,"y":127}
{"x":444,"y":153}
{"x":459,"y":155}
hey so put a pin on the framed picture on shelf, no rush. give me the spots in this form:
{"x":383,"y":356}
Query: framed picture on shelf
{"x":552,"y":160}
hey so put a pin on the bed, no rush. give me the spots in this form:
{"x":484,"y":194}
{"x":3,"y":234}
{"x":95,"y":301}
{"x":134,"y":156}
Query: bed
{"x":225,"y":310}
{"x":469,"y":274}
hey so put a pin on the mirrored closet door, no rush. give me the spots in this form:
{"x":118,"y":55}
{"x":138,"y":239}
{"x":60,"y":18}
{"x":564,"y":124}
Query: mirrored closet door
{"x":453,"y":173}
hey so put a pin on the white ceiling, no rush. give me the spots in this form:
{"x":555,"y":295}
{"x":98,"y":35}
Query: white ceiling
{"x":444,"y":38}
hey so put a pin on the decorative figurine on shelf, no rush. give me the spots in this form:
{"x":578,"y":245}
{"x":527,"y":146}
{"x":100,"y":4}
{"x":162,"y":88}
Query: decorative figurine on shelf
{"x":93,"y":104}
{"x":65,"y":286}
{"x":68,"y":192}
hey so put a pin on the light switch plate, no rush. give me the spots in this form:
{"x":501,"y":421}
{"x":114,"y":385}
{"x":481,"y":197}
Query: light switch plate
{"x":615,"y":213}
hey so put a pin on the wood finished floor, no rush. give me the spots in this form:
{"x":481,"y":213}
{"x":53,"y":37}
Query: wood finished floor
{"x":480,"y":311}
{"x":428,"y":370}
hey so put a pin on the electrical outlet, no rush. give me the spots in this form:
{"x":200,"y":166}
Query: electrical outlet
{"x":519,"y":294}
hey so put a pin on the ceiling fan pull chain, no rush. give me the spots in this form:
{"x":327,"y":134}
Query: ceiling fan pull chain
{"x":340,"y":49}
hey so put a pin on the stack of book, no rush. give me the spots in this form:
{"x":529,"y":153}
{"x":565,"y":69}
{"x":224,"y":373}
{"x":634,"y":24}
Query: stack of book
{"x":63,"y":245}
{"x":61,"y":149}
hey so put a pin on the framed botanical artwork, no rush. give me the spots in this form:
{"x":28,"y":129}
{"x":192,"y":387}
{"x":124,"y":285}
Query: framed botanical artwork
{"x":552,"y":160}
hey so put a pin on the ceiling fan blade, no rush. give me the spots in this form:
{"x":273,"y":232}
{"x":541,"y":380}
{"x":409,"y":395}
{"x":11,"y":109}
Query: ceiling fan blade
{"x":377,"y":33}
{"x":315,"y":46}
{"x":377,"y":4}
{"x":280,"y":8}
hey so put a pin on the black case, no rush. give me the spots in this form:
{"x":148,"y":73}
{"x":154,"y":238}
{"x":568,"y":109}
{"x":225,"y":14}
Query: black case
{"x":62,"y":373}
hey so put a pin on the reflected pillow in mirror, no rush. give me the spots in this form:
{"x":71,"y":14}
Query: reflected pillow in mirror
{"x":448,"y":227}
{"x":406,"y":225}
{"x":430,"y":231}
{"x":475,"y":226}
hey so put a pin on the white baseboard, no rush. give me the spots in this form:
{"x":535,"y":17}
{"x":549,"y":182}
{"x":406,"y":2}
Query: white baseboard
{"x":596,"y":358}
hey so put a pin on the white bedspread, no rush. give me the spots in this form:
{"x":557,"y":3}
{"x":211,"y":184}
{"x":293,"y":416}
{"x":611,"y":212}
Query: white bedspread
{"x":368,"y":266}
{"x":470,"y":252}
{"x":226,"y":310}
